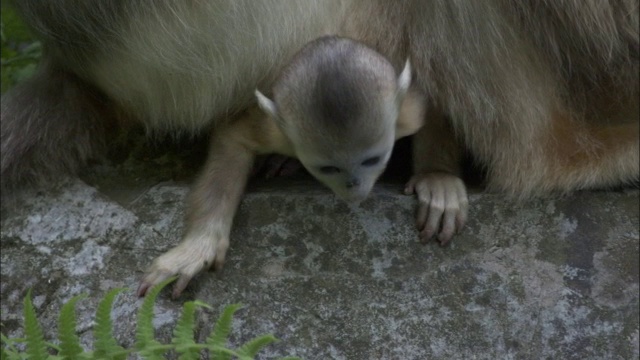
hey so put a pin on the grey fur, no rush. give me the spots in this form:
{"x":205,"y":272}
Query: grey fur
{"x":335,"y":88}
{"x":50,"y":124}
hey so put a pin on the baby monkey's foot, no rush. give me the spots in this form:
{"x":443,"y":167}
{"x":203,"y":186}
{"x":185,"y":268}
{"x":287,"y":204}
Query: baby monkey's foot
{"x":443,"y":205}
{"x":276,"y":165}
{"x":197,"y":252}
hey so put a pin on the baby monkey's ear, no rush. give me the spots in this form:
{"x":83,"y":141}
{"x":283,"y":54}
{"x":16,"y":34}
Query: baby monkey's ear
{"x":411,"y":105}
{"x":412,"y":113}
{"x":404,"y":81}
{"x":267,"y":105}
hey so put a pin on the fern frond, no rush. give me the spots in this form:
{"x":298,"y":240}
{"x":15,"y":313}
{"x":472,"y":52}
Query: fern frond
{"x":146,"y":344}
{"x":14,"y":354}
{"x":223,"y":326}
{"x":105,"y":344}
{"x":252,"y":347}
{"x":8,"y":348}
{"x":183,"y":334}
{"x":69,"y":343}
{"x":36,"y":346}
{"x":218,"y":338}
{"x":8,"y":353}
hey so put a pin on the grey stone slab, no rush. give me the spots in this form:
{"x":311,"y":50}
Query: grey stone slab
{"x":550,"y":278}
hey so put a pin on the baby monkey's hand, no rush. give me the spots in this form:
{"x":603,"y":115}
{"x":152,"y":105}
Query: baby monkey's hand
{"x":443,"y":205}
{"x":198,"y":251}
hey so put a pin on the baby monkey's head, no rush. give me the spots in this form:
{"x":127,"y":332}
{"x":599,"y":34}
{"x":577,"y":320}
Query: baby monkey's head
{"x":338,"y":103}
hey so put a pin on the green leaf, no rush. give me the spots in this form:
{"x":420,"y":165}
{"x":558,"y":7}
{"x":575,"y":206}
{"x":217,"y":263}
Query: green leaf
{"x":6,"y":342}
{"x":22,"y":73}
{"x":183,"y":334}
{"x":252,"y":347}
{"x":69,"y":343}
{"x":36,"y":347}
{"x":145,"y":333}
{"x":148,"y":347}
{"x":218,"y":337}
{"x":20,"y":52}
{"x":33,"y":50}
{"x":3,"y":354}
{"x":9,"y":351}
{"x":105,"y":344}
{"x":13,"y":27}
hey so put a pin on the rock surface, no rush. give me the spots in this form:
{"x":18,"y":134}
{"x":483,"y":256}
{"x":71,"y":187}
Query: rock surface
{"x":545,"y":279}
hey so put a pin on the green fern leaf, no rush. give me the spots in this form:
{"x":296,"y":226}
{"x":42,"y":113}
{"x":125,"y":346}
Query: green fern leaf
{"x":146,"y":344}
{"x":36,"y":346}
{"x":69,"y":343}
{"x":183,"y":334}
{"x":251,"y":348}
{"x":218,"y":338}
{"x":105,"y":344}
{"x":8,"y":349}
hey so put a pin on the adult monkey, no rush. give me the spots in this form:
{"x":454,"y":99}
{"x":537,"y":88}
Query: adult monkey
{"x":543,"y":93}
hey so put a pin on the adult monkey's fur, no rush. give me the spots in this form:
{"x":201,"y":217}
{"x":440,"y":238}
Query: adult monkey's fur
{"x":543,"y":93}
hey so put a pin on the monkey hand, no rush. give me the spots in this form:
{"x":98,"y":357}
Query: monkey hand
{"x":443,"y":205}
{"x":198,"y":251}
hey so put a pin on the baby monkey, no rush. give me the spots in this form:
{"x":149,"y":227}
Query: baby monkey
{"x":338,"y":107}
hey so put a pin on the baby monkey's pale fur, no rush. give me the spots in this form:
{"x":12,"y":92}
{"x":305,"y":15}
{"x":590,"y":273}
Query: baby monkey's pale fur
{"x":543,"y":93}
{"x":338,"y":107}
{"x":337,"y":104}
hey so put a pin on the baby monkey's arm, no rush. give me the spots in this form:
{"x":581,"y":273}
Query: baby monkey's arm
{"x":442,"y":196}
{"x":215,"y":197}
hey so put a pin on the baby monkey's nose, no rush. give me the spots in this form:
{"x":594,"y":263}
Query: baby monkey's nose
{"x":353,"y":183}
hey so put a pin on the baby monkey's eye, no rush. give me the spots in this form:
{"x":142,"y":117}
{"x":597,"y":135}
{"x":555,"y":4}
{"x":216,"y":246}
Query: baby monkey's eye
{"x":329,"y":170}
{"x":371,"y":161}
